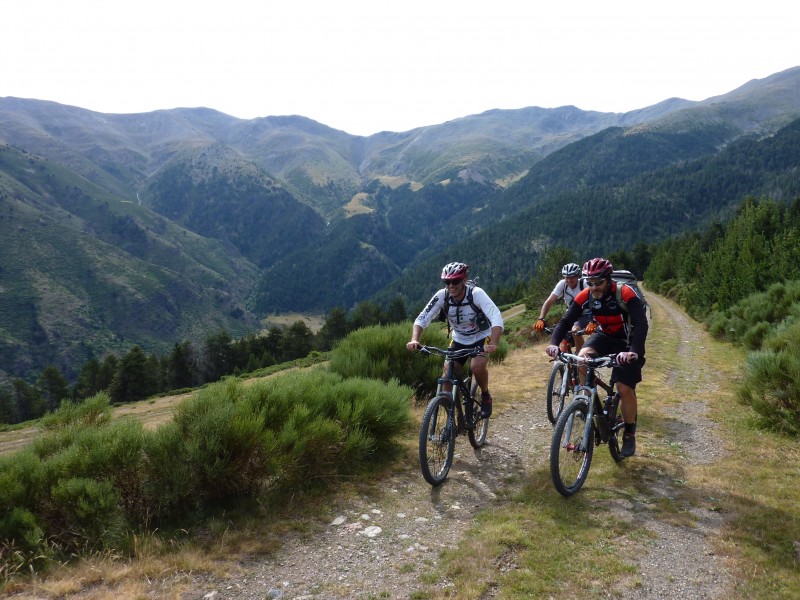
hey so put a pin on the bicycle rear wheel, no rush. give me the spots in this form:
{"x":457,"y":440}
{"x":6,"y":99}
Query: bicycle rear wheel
{"x":555,"y":400}
{"x":477,"y":433}
{"x":569,"y":461}
{"x":437,"y":440}
{"x":617,"y":428}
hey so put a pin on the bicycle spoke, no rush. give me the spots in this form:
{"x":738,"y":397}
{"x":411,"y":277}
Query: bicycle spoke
{"x":437,"y":441}
{"x":569,"y":460}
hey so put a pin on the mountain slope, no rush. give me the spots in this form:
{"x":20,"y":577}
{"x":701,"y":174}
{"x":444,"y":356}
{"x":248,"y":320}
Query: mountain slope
{"x":84,"y":273}
{"x":218,"y":194}
{"x":621,"y":212}
{"x":248,"y":209}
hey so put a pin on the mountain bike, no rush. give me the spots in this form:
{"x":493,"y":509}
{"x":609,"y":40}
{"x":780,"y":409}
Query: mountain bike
{"x":563,"y":378}
{"x":448,"y":415}
{"x":587,"y":422}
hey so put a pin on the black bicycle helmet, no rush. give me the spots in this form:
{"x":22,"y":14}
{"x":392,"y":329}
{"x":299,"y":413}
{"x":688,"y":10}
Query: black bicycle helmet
{"x":455,"y":270}
{"x":570,"y":270}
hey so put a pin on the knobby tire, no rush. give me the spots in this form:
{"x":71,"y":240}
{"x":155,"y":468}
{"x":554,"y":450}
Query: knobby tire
{"x":477,"y":434}
{"x":615,"y":440}
{"x":437,"y":439}
{"x":569,"y":463}
{"x":555,"y":401}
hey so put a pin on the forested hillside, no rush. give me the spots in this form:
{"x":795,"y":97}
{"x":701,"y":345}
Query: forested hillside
{"x":83,"y":273}
{"x":743,"y":279}
{"x":158,"y":228}
{"x":620,"y":213}
{"x":218,"y":194}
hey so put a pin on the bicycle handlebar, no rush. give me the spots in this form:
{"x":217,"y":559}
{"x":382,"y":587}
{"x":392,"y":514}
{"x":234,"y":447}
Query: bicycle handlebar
{"x":450,"y":354}
{"x":569,"y":333}
{"x":595,"y":363}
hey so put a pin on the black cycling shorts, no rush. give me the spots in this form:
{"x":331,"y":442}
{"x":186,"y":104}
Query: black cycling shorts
{"x":458,"y":346}
{"x":604,"y":345}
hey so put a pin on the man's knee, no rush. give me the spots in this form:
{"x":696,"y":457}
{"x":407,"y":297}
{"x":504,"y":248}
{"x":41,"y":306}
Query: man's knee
{"x":626,"y":391}
{"x":479,"y":365}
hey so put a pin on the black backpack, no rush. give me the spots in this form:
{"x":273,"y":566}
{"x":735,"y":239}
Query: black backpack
{"x":623,"y":277}
{"x":481,"y":319}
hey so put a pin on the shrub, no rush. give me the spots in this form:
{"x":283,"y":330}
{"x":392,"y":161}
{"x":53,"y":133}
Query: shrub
{"x":168,"y":477}
{"x":87,"y":512}
{"x":212,"y":452}
{"x":286,"y":433}
{"x":91,"y":411}
{"x":20,"y":477}
{"x":83,"y":486}
{"x":380,"y":352}
{"x":325,"y":426}
{"x":751,"y":319}
{"x":772,"y":388}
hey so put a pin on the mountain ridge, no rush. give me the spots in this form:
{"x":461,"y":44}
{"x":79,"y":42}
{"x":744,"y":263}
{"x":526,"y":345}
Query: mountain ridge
{"x":257,"y":203}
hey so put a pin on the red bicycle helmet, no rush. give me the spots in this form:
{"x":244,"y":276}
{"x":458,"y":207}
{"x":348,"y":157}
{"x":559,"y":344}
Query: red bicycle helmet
{"x":597,"y":267}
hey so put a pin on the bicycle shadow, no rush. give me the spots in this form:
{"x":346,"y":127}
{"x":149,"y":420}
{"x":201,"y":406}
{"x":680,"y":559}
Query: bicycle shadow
{"x":478,"y":475}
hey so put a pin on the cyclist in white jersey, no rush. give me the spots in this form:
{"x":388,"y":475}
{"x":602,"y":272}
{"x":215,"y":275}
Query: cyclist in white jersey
{"x":474,"y":320}
{"x":567,"y":288}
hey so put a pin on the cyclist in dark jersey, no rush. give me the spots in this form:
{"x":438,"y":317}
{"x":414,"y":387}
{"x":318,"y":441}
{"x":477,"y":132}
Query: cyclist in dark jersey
{"x":622,"y":328}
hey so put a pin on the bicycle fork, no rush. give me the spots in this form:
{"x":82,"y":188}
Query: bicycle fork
{"x":587,"y":430}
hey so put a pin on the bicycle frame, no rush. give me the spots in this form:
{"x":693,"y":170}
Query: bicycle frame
{"x":449,"y":414}
{"x":571,"y":451}
{"x":459,"y":392}
{"x":598,"y":418}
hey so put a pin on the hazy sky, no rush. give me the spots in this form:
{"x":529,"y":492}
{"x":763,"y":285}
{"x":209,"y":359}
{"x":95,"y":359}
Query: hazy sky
{"x":365,"y":66}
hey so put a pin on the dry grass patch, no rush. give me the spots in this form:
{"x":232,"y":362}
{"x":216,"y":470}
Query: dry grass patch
{"x":356,"y":205}
{"x":313,"y":322}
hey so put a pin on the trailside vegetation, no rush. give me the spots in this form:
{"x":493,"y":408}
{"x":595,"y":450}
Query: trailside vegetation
{"x":89,"y":483}
{"x":743,"y":280}
{"x":137,"y":375}
{"x":380,"y":352}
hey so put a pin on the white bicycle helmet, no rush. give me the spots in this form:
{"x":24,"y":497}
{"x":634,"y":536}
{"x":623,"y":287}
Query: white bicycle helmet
{"x":455,"y":270}
{"x":571,"y":270}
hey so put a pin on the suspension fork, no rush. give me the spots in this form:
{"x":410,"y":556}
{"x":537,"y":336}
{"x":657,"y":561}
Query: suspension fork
{"x":453,"y":411}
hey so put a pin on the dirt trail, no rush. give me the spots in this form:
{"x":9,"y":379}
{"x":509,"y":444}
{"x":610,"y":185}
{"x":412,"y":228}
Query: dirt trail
{"x":679,"y":561}
{"x":378,"y":547}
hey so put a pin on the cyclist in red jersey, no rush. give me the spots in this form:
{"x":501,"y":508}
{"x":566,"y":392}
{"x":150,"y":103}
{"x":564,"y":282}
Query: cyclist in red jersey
{"x":622,"y":328}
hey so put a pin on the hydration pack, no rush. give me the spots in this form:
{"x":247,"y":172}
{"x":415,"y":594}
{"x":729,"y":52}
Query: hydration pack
{"x":480,"y":317}
{"x":622,"y":276}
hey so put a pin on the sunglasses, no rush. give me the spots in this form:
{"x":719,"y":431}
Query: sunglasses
{"x":595,"y":283}
{"x":453,"y":281}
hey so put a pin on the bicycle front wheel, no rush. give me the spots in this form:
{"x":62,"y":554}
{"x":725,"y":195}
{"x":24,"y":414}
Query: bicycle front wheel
{"x":437,"y":440}
{"x":480,"y":426}
{"x":555,"y":399}
{"x":569,"y":460}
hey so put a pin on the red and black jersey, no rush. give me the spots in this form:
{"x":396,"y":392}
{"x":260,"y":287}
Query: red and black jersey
{"x":625,"y":322}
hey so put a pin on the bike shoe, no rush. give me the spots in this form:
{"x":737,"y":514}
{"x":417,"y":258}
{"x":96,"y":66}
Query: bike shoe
{"x":486,"y":405}
{"x":628,"y":445}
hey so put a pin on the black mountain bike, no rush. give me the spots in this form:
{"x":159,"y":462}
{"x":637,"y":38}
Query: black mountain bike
{"x":587,"y":422}
{"x":448,"y":415}
{"x":563,"y":379}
